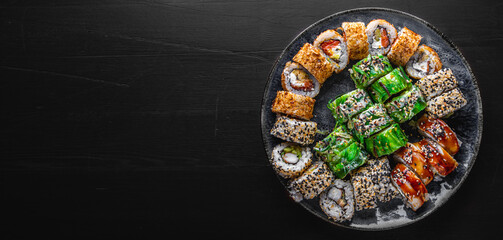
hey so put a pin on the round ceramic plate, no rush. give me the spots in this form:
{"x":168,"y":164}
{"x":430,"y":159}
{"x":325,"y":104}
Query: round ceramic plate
{"x":466,"y":122}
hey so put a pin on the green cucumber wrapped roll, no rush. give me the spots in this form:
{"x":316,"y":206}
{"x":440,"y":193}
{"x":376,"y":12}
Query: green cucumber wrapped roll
{"x":370,"y":121}
{"x":402,"y":108}
{"x":367,"y":70}
{"x":392,"y":83}
{"x":350,"y":158}
{"x":330,"y":148}
{"x":387,"y":141}
{"x":349,"y":104}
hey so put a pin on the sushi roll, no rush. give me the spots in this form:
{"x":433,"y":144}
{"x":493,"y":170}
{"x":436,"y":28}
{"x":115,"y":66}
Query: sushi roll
{"x":381,"y":170}
{"x":312,"y":182}
{"x":411,"y":156}
{"x":392,"y":83}
{"x":370,"y":121}
{"x":349,"y":159}
{"x":367,"y":70}
{"x":337,"y":201}
{"x":329,"y":149}
{"x":405,"y":106}
{"x":293,"y":130}
{"x":438,"y":131}
{"x":435,"y":84}
{"x":349,"y":104}
{"x":387,"y":141}
{"x":334,"y":47}
{"x":296,"y":79}
{"x":410,"y":186}
{"x":440,"y":161}
{"x":294,"y":105}
{"x":289,"y":160}
{"x":425,"y":61}
{"x":356,"y":39}
{"x":364,"y":189}
{"x":404,"y":47}
{"x":380,"y":34}
{"x":445,"y":104}
{"x":315,"y":62}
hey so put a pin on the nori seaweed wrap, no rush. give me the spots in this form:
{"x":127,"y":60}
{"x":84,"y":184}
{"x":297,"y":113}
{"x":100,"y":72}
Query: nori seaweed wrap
{"x":402,"y":108}
{"x":370,"y":121}
{"x":389,"y":85}
{"x":367,"y":70}
{"x":349,"y":104}
{"x":387,"y":141}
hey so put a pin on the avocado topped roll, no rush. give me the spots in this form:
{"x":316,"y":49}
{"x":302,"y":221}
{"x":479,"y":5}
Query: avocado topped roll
{"x":402,"y":108}
{"x":445,"y":104}
{"x":435,"y":84}
{"x":381,"y":34}
{"x":312,"y":182}
{"x":438,"y":131}
{"x":293,"y":130}
{"x":337,"y":201}
{"x":334,"y":47}
{"x":424,"y":62}
{"x":387,"y":141}
{"x":404,"y":47}
{"x":370,"y":121}
{"x":315,"y":62}
{"x":410,"y":186}
{"x":387,"y":86}
{"x":294,"y":105}
{"x":349,"y":104}
{"x":349,"y":159}
{"x":366,"y":71}
{"x":290,"y":160}
{"x":296,"y":79}
{"x":329,"y":149}
{"x":356,"y":39}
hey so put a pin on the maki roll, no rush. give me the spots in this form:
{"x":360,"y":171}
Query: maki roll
{"x":367,"y":70}
{"x":312,"y":182}
{"x":440,"y":161}
{"x":365,"y":194}
{"x":380,"y":34}
{"x":329,"y":149}
{"x":438,"y":131}
{"x":411,"y":156}
{"x":296,"y":79}
{"x":337,"y":201}
{"x":404,"y":47}
{"x":445,"y":104}
{"x":315,"y":62}
{"x":356,"y":39}
{"x":389,"y":85}
{"x":349,"y":104}
{"x":435,"y":84}
{"x":294,"y":105}
{"x":349,"y":159}
{"x":290,"y":160}
{"x":424,"y":62}
{"x":334,"y":47}
{"x":402,"y":108}
{"x":387,"y":141}
{"x":381,"y":170}
{"x":410,"y":186}
{"x":370,"y":121}
{"x":293,"y":130}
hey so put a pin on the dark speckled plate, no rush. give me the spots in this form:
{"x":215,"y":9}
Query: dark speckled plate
{"x":466,"y":122}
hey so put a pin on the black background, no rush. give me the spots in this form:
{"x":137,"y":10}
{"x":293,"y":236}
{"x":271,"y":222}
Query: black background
{"x":142,"y":118}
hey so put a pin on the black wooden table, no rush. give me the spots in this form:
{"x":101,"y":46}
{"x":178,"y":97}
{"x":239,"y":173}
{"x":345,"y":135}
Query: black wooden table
{"x":141,"y":118}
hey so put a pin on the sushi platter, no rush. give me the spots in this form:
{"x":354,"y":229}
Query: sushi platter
{"x":371,"y":119}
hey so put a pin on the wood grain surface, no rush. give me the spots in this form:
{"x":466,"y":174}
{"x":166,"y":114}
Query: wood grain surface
{"x":142,"y":118}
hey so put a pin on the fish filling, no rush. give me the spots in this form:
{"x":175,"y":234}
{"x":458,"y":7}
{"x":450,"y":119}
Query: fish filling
{"x":332,"y":49}
{"x":381,"y":39}
{"x":300,"y":80}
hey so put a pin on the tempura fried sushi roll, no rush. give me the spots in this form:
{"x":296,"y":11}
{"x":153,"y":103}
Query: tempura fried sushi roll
{"x":289,"y":160}
{"x":445,"y":104}
{"x":356,"y":39}
{"x":425,"y":61}
{"x":439,"y":160}
{"x":315,"y":62}
{"x":366,"y":71}
{"x":296,"y":79}
{"x":312,"y":182}
{"x":404,"y":47}
{"x":410,"y":186}
{"x":370,"y":121}
{"x":349,"y":159}
{"x":293,"y":130}
{"x":411,"y":155}
{"x":294,"y":105}
{"x":329,"y":149}
{"x":435,"y":84}
{"x":438,"y":131}
{"x":386,"y":141}
{"x":390,"y":84}
{"x":334,"y":47}
{"x":337,"y":201}
{"x":349,"y":104}
{"x":405,"y":106}
{"x":380,"y":34}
